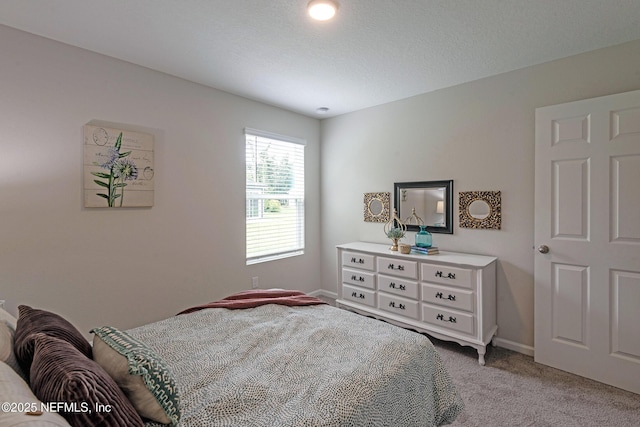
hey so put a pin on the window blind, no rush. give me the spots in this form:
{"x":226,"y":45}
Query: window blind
{"x":274,"y":196}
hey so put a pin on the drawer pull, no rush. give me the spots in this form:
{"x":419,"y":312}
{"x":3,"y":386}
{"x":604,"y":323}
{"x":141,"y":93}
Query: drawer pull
{"x":400,"y":306}
{"x":450,"y":319}
{"x":357,"y":295}
{"x":447,"y":276}
{"x":398,"y":267}
{"x":450,"y":297}
{"x":355,"y":260}
{"x":359,"y":279}
{"x":400,"y":287}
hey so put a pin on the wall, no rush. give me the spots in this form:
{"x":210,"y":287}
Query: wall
{"x":481,"y":135}
{"x":129,"y":267}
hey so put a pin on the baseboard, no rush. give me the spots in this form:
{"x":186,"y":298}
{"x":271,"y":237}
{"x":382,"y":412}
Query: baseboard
{"x":515,"y":346}
{"x":323,"y":293}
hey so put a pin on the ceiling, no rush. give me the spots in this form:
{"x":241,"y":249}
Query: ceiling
{"x":372,"y":52}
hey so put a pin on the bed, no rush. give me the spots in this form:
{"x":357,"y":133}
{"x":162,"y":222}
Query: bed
{"x":278,"y":363}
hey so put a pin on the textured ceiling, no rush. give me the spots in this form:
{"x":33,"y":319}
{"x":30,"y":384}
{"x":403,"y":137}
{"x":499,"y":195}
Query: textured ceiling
{"x":373,"y":52}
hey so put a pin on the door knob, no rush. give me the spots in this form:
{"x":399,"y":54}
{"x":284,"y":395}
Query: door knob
{"x":543,"y":249}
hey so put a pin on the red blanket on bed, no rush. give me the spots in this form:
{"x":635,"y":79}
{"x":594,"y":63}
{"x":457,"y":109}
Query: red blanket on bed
{"x":258,"y":297}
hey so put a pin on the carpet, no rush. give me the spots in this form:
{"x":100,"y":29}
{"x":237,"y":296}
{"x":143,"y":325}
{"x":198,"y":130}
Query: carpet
{"x":512,"y":390}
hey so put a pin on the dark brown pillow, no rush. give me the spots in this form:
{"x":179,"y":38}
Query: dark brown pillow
{"x":32,"y":321}
{"x":61,"y":373}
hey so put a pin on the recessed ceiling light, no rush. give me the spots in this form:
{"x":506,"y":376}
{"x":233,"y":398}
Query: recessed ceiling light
{"x":322,"y":10}
{"x":322,"y":110}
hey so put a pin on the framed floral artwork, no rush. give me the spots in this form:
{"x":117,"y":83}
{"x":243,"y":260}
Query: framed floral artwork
{"x":118,"y":168}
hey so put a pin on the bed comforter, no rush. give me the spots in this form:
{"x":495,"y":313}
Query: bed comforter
{"x":276,"y":365}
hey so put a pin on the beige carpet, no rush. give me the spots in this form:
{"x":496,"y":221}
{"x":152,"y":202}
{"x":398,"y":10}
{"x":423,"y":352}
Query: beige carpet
{"x":512,"y":390}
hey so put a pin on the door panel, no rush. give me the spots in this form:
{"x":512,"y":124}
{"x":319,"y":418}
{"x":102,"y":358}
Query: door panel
{"x":625,"y":177}
{"x":571,"y":129}
{"x":625,"y":295}
{"x":625,"y":122}
{"x":571,"y":199}
{"x":587,"y":212}
{"x":570,"y":303}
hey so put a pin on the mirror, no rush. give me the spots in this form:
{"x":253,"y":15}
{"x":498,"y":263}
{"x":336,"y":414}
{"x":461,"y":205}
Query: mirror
{"x":432,"y":201}
{"x":376,"y":207}
{"x":480,"y":209}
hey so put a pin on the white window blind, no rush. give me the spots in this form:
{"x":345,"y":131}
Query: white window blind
{"x":274,"y":196}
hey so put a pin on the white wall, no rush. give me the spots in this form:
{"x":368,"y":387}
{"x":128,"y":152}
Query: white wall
{"x":481,"y":135}
{"x":129,"y":267}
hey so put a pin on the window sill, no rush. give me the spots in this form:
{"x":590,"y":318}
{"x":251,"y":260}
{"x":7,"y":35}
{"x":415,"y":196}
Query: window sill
{"x":274,"y":257}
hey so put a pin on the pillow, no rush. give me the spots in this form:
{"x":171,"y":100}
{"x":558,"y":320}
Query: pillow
{"x":61,"y":373}
{"x":140,"y":372}
{"x":6,"y":348}
{"x":15,"y":390}
{"x":7,"y":317}
{"x":32,"y":321}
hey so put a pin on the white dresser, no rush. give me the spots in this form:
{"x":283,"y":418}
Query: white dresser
{"x":450,"y":296}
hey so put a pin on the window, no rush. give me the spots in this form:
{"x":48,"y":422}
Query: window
{"x":275,"y":196}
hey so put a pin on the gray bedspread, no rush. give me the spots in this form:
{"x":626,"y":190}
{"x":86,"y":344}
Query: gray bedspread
{"x":301,"y":366}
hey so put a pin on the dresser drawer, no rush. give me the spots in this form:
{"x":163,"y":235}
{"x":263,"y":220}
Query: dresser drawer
{"x":359,"y":295}
{"x":359,"y":277}
{"x":398,"y":267}
{"x":398,"y":305}
{"x":358,"y":260}
{"x":448,"y":319}
{"x":446,"y":275}
{"x":460,"y":299}
{"x":394,"y":285}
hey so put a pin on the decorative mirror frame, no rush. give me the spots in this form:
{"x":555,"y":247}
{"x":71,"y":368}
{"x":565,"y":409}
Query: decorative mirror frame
{"x":448,"y":203}
{"x":491,"y":198}
{"x":385,"y":199}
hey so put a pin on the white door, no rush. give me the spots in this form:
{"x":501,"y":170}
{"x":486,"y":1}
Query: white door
{"x":587,"y":215}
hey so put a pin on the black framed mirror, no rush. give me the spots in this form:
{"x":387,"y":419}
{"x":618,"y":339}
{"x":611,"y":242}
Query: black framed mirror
{"x":432,"y":201}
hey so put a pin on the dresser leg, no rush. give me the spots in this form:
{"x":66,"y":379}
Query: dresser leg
{"x":481,"y":353}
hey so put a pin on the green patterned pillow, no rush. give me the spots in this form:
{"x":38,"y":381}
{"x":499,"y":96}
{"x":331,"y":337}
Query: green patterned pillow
{"x":140,"y":372}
